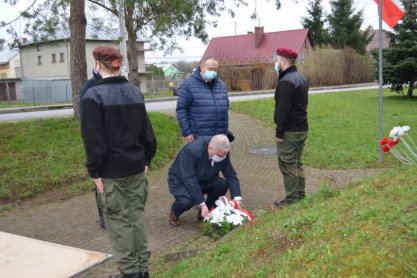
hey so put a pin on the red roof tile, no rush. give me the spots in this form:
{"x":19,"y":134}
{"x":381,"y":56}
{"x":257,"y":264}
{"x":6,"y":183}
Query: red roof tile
{"x":240,"y":50}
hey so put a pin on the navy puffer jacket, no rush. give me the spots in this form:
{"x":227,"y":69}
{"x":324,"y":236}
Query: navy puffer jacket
{"x":202,"y":107}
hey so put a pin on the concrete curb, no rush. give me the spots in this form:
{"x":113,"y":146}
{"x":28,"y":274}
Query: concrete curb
{"x":260,"y":92}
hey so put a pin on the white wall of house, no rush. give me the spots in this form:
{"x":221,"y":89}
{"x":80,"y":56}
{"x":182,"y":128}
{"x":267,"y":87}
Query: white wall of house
{"x":51,"y":60}
{"x":46,"y":60}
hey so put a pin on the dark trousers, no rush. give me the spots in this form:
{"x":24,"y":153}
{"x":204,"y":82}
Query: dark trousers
{"x":214,"y":189}
{"x":290,"y":154}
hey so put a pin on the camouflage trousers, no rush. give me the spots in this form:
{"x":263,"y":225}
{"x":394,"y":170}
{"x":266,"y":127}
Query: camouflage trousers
{"x":290,"y":154}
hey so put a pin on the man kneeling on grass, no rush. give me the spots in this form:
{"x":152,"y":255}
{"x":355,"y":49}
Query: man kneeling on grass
{"x":195,"y":172}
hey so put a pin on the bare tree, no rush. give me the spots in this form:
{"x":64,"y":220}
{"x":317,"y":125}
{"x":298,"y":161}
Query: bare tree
{"x":78,"y":64}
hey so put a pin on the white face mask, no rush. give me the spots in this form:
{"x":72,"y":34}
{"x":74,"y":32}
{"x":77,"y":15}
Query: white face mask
{"x":217,"y":158}
{"x":276,"y":68}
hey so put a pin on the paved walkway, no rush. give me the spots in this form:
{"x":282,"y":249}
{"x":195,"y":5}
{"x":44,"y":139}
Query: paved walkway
{"x":73,"y":222}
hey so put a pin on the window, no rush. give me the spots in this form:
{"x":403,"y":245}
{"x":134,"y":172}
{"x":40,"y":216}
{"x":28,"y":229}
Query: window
{"x":3,"y":75}
{"x":61,"y":57}
{"x":53,"y":58}
{"x":39,"y":60}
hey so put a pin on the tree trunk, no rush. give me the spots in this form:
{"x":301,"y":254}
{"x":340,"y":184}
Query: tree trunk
{"x":410,"y":89}
{"x":78,"y":63}
{"x":132,"y":52}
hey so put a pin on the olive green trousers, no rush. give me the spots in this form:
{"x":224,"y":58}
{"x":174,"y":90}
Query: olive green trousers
{"x":123,"y":205}
{"x":290,"y":154}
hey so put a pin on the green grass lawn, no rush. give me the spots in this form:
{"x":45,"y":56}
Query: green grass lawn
{"x":160,"y":93}
{"x":16,"y":104}
{"x":36,"y":156}
{"x":366,"y":230}
{"x":344,"y":126}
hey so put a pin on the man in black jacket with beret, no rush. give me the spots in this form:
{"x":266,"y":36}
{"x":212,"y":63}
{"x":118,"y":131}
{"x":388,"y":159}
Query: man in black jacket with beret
{"x":290,"y":116}
{"x":120,"y":143}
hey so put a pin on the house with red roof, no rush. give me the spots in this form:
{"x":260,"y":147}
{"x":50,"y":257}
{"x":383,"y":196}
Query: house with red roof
{"x":257,"y":47}
{"x":248,"y":57}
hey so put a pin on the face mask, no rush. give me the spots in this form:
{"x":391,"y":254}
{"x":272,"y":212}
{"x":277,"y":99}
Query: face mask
{"x":96,"y":74}
{"x":210,"y":75}
{"x":276,"y":68}
{"x":217,"y":158}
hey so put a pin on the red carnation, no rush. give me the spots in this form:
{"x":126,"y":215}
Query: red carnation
{"x":383,"y":141}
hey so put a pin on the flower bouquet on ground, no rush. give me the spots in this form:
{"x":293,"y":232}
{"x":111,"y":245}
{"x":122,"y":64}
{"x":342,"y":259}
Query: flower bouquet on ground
{"x":224,"y":218}
{"x":405,"y":149}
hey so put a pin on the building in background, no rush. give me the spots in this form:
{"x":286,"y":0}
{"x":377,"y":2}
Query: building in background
{"x":374,"y":43}
{"x":46,"y":70}
{"x":245,"y":60}
{"x":10,"y":64}
{"x":10,"y":75}
{"x":170,"y":71}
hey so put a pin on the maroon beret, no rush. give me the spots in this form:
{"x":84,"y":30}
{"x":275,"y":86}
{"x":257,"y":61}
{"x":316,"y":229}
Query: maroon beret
{"x":106,"y":53}
{"x":287,"y":53}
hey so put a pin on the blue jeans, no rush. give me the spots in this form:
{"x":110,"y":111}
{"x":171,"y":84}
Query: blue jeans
{"x":214,"y":189}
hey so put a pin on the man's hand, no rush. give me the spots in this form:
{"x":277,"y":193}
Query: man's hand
{"x":205,"y":211}
{"x":99,"y":184}
{"x":189,"y":138}
{"x":279,"y":140}
{"x":146,"y":169}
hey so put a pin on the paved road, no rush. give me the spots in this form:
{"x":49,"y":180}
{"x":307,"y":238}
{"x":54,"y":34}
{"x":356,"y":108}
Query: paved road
{"x":160,"y":106}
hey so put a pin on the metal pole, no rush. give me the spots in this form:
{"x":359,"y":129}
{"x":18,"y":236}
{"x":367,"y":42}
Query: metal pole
{"x":122,"y":35}
{"x":381,"y":105}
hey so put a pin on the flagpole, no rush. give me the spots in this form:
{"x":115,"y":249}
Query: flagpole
{"x":381,"y":119}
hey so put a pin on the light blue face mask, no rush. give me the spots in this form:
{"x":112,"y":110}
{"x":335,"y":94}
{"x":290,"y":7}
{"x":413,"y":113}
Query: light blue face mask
{"x":210,"y":75}
{"x":276,"y":68}
{"x":217,"y":158}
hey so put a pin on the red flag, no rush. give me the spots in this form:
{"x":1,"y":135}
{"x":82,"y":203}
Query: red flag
{"x":391,"y":12}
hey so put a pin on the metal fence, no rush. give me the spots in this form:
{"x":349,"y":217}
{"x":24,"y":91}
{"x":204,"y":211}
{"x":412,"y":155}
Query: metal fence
{"x":59,"y":90}
{"x":47,"y":91}
{"x":156,"y":85}
{"x":11,"y":90}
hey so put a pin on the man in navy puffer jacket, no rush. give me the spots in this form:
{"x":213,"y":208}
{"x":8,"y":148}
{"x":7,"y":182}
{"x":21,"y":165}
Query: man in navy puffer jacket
{"x":203,"y":103}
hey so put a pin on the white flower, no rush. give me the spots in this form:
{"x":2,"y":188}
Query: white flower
{"x":394,"y":132}
{"x":235,"y":219}
{"x":226,"y":212}
{"x":403,"y":130}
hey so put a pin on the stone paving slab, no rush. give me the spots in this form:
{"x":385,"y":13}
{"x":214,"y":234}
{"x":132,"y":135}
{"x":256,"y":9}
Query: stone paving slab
{"x":73,"y":222}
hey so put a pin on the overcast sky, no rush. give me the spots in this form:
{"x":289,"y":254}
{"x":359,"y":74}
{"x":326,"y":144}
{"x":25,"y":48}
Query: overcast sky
{"x":287,"y":18}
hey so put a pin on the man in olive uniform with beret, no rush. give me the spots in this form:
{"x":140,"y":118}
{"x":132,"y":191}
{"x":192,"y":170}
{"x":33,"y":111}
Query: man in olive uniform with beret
{"x":290,"y":116}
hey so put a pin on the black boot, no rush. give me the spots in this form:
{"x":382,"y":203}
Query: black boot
{"x":143,"y":275}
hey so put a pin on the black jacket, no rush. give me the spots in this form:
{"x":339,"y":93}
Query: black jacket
{"x":291,"y":99}
{"x":118,"y":137}
{"x":192,"y":166}
{"x":87,"y":85}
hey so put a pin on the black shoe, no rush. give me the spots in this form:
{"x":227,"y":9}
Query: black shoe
{"x":279,"y":204}
{"x":121,"y":275}
{"x":143,"y":275}
{"x":101,"y":222}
